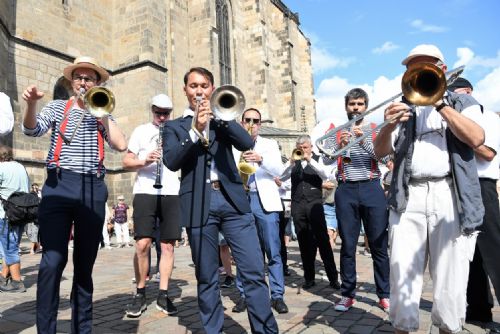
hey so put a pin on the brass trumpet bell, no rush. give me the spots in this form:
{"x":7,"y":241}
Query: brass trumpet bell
{"x":227,"y":102}
{"x":99,"y":101}
{"x":423,"y":84}
{"x":297,"y":154}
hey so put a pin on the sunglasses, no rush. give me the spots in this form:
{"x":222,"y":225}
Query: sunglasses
{"x":161,"y":113}
{"x":254,"y":120}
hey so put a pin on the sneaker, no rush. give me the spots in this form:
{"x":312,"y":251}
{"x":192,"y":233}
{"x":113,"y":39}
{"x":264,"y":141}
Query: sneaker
{"x":137,"y":306}
{"x":308,"y":284}
{"x":164,"y":304}
{"x":344,"y":304}
{"x":279,"y":305}
{"x":240,"y":306}
{"x":228,"y":282}
{"x":155,"y":277}
{"x":4,"y":280}
{"x":13,"y":286}
{"x":384,"y":304}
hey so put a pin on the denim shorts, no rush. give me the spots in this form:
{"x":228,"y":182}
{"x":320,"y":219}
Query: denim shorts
{"x":330,"y":216}
{"x":9,"y":242}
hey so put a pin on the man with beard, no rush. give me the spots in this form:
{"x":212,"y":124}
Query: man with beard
{"x":359,"y":196}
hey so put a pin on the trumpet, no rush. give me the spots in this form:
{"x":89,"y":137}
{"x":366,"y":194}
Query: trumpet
{"x":422,"y":84}
{"x":99,"y":102}
{"x":246,"y":169}
{"x":298,"y":154}
{"x":227,"y":103}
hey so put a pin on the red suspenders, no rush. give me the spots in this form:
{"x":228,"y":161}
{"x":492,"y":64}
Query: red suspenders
{"x":58,"y":148}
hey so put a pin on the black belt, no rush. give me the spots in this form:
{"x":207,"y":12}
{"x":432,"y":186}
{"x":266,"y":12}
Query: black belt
{"x":216,"y":185}
{"x":429,"y":178}
{"x":360,"y":181}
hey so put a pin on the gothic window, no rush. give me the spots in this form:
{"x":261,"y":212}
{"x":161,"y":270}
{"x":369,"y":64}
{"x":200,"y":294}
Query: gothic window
{"x":224,"y":41}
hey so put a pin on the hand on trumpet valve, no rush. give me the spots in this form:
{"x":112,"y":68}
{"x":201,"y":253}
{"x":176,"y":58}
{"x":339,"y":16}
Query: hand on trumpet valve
{"x":252,"y":156}
{"x":396,"y":108}
{"x":204,"y":115}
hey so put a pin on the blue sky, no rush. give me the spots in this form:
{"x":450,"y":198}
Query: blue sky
{"x":361,"y":44}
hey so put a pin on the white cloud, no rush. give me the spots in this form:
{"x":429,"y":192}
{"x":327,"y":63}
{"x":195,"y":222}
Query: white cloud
{"x":425,"y":27}
{"x":331,"y":92}
{"x":322,"y":60}
{"x":465,"y":55}
{"x":486,"y":90}
{"x":385,"y":48}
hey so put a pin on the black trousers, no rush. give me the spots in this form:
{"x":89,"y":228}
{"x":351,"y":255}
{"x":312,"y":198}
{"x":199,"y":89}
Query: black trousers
{"x":485,"y":263}
{"x":69,"y":198}
{"x":310,"y":226}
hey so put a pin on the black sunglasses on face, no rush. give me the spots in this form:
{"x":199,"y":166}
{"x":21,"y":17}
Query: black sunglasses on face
{"x":254,"y":120}
{"x":160,"y":113}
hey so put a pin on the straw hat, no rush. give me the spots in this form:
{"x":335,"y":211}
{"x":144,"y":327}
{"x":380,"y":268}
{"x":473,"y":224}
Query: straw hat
{"x":85,"y":62}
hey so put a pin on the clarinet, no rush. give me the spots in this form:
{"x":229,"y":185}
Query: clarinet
{"x":159,"y":163}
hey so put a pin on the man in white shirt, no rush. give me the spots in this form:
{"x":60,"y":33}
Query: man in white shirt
{"x":434,"y":200}
{"x":485,"y":263}
{"x":265,"y":203}
{"x":6,"y":115}
{"x":153,"y":201}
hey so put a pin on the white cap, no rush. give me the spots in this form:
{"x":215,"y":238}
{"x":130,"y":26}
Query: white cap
{"x":424,"y":50}
{"x":162,"y":101}
{"x":120,"y":197}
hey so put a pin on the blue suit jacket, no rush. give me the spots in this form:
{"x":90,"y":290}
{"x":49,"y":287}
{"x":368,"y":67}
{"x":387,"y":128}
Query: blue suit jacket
{"x":194,"y":161}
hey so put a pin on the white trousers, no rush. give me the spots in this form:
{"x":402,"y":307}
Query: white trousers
{"x":428,"y":232}
{"x":105,"y":234}
{"x":122,"y":234}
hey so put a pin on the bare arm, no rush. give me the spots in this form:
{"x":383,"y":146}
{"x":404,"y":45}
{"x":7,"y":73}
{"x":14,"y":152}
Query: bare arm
{"x":131,"y":161}
{"x":116,"y":137}
{"x":465,"y":129}
{"x":382,"y":145}
{"x":485,"y":152}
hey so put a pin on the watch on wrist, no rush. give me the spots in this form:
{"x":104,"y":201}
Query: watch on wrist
{"x":440,"y":106}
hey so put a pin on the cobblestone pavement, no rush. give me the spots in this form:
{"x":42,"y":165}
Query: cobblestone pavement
{"x":310,"y":311}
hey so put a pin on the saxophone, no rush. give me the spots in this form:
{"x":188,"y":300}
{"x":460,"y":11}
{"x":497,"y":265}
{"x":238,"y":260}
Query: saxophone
{"x":246,"y":169}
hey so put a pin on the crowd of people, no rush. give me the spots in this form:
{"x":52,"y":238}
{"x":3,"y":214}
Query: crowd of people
{"x":225,"y":187}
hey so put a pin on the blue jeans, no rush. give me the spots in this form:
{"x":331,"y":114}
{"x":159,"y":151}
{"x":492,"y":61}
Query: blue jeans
{"x":330,"y":216}
{"x":241,"y":234}
{"x":269,"y":237}
{"x":9,"y":243}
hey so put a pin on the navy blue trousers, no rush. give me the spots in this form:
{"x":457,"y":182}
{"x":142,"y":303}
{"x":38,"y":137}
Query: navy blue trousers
{"x":355,"y":202}
{"x":241,"y":235}
{"x":69,"y":198}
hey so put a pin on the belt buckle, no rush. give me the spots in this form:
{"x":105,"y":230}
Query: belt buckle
{"x":215,"y":185}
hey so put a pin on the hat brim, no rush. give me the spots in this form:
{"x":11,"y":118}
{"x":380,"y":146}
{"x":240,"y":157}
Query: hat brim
{"x":68,"y":71}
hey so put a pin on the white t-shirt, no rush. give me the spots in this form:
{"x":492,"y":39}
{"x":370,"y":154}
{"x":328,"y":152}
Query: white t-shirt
{"x":144,"y":139}
{"x":430,"y":154}
{"x":491,"y":126}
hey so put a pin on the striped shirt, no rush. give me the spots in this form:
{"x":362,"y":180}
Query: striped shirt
{"x":363,"y":165}
{"x":82,"y":155}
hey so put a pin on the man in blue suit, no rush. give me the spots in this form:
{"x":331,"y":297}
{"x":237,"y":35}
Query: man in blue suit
{"x":213,"y":199}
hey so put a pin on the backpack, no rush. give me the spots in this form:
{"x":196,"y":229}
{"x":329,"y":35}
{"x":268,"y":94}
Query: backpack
{"x":21,"y":207}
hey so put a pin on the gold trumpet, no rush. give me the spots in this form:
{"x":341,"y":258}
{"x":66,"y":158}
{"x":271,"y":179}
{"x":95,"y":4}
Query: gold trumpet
{"x":246,"y":169}
{"x":227,"y":103}
{"x":99,"y":102}
{"x":422,"y":84}
{"x":298,"y":154}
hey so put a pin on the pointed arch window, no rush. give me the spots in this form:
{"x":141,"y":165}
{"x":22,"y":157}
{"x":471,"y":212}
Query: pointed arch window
{"x":224,"y":41}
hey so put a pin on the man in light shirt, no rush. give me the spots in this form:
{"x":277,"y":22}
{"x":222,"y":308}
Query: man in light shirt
{"x":434,"y":200}
{"x":152,"y":202}
{"x":485,"y":264}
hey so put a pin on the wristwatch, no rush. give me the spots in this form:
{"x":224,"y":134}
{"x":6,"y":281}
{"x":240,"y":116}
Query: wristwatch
{"x":440,"y":105}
